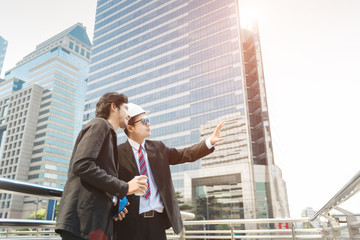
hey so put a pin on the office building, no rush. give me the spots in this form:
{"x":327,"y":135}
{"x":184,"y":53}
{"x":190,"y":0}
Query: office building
{"x":41,"y":107}
{"x":191,"y":65}
{"x":3,"y":47}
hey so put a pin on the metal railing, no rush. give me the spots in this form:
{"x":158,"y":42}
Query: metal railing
{"x":29,"y":189}
{"x":247,"y":229}
{"x":333,"y":228}
{"x":203,"y":229}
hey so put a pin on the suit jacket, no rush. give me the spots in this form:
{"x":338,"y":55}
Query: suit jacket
{"x":86,"y":203}
{"x":160,"y":158}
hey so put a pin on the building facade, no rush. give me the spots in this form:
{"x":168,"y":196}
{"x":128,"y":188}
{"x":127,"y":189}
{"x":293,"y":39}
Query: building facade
{"x":3,"y":47}
{"x":191,"y":65}
{"x":41,"y":107}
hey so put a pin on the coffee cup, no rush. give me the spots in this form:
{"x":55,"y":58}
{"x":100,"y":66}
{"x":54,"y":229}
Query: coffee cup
{"x":141,"y":193}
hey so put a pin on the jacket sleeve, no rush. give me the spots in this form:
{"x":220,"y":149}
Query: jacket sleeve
{"x":189,"y":154}
{"x":86,"y":152}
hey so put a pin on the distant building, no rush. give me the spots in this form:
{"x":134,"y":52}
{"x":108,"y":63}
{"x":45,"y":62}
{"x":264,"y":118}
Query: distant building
{"x":41,"y":109}
{"x":3,"y":47}
{"x":191,"y":64}
{"x":308,"y":213}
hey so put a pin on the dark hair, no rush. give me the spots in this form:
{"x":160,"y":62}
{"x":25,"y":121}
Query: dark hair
{"x":129,"y":123}
{"x":103,"y":105}
{"x":126,"y":131}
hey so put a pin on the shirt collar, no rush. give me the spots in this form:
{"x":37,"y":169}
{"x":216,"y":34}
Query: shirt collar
{"x":136,"y":145}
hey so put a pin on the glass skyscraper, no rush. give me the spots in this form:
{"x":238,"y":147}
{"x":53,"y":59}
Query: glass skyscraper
{"x":3,"y":47}
{"x":191,"y":65}
{"x":41,"y":106}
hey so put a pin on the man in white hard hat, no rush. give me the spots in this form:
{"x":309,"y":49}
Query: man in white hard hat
{"x":149,"y":215}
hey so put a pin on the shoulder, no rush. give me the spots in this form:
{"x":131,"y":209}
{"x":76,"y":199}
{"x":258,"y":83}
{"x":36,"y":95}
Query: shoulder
{"x":100,"y":123}
{"x":157,"y":144}
{"x":124,"y":145}
{"x":98,"y":127}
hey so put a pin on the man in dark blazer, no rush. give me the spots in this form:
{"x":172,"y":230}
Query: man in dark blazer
{"x":151,"y":214}
{"x":86,"y":207}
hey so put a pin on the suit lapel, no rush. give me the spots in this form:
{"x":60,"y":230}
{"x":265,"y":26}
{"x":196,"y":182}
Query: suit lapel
{"x":129,"y":154}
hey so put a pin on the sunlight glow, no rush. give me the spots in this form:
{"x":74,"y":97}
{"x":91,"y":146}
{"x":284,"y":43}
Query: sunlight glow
{"x":249,"y":15}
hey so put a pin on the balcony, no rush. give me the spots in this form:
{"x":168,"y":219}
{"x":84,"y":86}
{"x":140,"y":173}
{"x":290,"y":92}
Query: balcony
{"x":343,"y":226}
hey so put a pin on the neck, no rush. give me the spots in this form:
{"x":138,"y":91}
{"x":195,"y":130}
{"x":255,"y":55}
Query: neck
{"x":137,"y":139}
{"x":113,"y":123}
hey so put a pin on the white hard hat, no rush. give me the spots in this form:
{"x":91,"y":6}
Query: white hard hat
{"x":134,"y":110}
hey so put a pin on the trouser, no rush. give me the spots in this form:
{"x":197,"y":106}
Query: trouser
{"x":96,"y":235}
{"x":151,"y":228}
{"x":69,"y":236}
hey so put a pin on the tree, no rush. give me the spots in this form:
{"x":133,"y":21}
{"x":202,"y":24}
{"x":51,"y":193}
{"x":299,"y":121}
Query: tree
{"x":40,"y":214}
{"x":182,"y":206}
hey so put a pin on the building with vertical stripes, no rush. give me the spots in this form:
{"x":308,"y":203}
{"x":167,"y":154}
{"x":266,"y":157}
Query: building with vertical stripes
{"x":191,"y":65}
{"x":3,"y":47}
{"x":41,"y":110}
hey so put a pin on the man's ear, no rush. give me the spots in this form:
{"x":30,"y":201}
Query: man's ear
{"x":112,"y":107}
{"x":129,"y":128}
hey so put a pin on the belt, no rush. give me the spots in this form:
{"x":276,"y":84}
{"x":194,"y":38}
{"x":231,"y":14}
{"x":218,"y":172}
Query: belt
{"x":150,"y":214}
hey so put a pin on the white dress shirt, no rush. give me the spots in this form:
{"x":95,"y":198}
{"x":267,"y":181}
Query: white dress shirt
{"x":154,"y":202}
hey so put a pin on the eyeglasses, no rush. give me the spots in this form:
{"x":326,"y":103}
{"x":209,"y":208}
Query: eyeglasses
{"x":144,"y":121}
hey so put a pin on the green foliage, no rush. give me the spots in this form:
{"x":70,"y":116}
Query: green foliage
{"x":57,"y":209}
{"x":40,"y":214}
{"x":222,"y":227}
{"x":182,"y":206}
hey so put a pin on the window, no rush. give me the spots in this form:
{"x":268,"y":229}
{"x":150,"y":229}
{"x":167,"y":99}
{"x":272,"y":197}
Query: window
{"x":77,"y":48}
{"x":71,"y":45}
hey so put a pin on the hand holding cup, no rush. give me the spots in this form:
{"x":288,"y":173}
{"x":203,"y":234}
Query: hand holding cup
{"x":138,"y":185}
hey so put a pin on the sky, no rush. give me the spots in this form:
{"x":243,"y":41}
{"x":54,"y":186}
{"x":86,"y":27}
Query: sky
{"x":311,"y":60}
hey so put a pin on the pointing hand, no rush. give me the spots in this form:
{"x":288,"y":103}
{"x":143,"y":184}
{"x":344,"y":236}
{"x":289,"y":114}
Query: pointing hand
{"x":215,"y":136}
